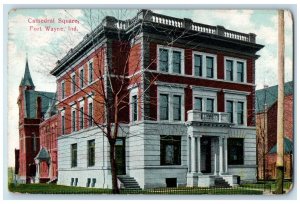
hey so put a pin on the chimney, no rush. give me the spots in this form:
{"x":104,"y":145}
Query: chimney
{"x":39,"y":107}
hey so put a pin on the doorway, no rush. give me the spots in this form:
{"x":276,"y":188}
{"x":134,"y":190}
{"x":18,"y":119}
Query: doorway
{"x":120,"y":156}
{"x":206,"y":155}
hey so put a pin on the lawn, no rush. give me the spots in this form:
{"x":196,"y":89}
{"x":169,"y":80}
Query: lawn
{"x":59,"y":189}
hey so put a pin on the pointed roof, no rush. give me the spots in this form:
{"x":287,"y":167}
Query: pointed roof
{"x":268,"y":96}
{"x":287,"y":144}
{"x":51,"y":108}
{"x":27,"y":80}
{"x":43,"y":155}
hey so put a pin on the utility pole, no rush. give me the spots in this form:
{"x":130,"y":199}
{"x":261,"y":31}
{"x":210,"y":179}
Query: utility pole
{"x":280,"y":129}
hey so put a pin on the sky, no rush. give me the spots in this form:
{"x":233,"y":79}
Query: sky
{"x":44,"y":48}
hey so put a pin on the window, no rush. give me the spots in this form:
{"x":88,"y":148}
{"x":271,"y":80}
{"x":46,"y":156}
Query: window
{"x":210,"y":105}
{"x":73,"y":155}
{"x":62,"y":124}
{"x":73,"y":120}
{"x":235,"y":151}
{"x":229,"y":109}
{"x":209,"y":67}
{"x":198,"y":65}
{"x":164,"y":107}
{"x":198,"y":104}
{"x":90,"y":114}
{"x":74,"y":83}
{"x":176,"y":107}
{"x":134,"y":108}
{"x":170,"y":150}
{"x":176,"y":62}
{"x":63,"y":90}
{"x":240,"y":71}
{"x":163,"y":60}
{"x":81,"y":118}
{"x":91,"y":152}
{"x":229,"y":70}
{"x":81,"y":75}
{"x":240,"y":113}
{"x":91,"y":72}
{"x":235,"y":69}
{"x":170,"y":59}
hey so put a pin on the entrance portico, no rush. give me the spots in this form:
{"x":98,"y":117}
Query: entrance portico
{"x":207,"y":145}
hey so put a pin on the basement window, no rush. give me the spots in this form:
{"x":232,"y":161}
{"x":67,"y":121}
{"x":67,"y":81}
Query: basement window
{"x":171,"y":182}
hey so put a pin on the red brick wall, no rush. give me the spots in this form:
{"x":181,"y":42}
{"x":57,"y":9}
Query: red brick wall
{"x":48,"y":139}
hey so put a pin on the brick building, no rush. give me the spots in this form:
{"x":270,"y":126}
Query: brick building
{"x":188,"y":117}
{"x":33,"y":106}
{"x":266,"y":123}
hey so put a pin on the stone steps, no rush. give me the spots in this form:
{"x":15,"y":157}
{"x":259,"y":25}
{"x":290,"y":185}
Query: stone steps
{"x":221,"y":183}
{"x":128,"y":182}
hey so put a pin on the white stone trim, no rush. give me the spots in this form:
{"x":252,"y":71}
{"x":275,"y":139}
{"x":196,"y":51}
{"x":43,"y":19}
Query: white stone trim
{"x":236,"y":92}
{"x":234,"y":68}
{"x":170,"y":91}
{"x":171,"y":85}
{"x":204,"y":88}
{"x":88,"y":71}
{"x":84,"y":83}
{"x":204,"y":55}
{"x":170,"y":59}
{"x":235,"y":98}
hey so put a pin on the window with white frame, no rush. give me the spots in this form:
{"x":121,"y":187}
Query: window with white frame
{"x":177,"y":107}
{"x":204,"y":65}
{"x":235,"y":69}
{"x":73,"y":120}
{"x":170,"y":59}
{"x":198,"y":103}
{"x":73,"y":83}
{"x":204,"y":99}
{"x":81,"y":77}
{"x":235,"y":106}
{"x":90,"y":114}
{"x":134,"y":108}
{"x":134,"y":104}
{"x":164,"y":106}
{"x":170,"y":103}
{"x":91,"y":72}
{"x":63,"y":90}
{"x":81,"y":118}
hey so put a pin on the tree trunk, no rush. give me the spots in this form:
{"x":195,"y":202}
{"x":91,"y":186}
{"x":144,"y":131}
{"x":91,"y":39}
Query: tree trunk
{"x":115,"y":188}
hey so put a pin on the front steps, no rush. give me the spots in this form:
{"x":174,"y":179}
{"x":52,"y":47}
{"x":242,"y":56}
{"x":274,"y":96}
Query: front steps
{"x":128,"y":182}
{"x":221,"y":183}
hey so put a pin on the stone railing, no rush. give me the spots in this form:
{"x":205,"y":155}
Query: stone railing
{"x":219,"y":117}
{"x":149,"y":16}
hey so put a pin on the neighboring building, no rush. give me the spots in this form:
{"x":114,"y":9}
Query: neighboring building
{"x":32,"y":107}
{"x":266,"y":123}
{"x":189,"y":119}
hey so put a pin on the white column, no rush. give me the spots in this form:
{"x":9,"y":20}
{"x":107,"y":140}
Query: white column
{"x":189,"y":153}
{"x":225,"y":155}
{"x":37,"y":174}
{"x":199,"y":153}
{"x":215,"y":162}
{"x":193,"y":155}
{"x":221,"y":155}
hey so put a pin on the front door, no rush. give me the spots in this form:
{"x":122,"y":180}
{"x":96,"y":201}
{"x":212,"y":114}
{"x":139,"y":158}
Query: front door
{"x":120,"y":156}
{"x":206,"y":155}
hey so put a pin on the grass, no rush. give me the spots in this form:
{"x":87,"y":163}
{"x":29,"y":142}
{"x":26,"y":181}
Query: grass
{"x":59,"y":189}
{"x":267,"y":185}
